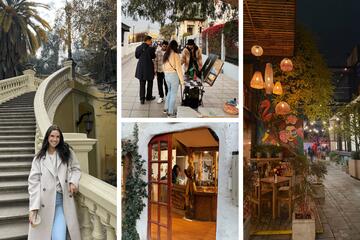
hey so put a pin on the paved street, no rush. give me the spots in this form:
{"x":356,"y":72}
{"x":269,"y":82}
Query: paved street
{"x":340,"y":213}
{"x":214,"y":97}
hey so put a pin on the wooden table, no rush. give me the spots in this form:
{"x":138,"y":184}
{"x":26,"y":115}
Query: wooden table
{"x":275,"y":185}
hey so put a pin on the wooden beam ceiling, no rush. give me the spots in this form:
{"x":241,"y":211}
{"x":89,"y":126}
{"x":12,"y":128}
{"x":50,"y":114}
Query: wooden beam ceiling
{"x":270,"y":24}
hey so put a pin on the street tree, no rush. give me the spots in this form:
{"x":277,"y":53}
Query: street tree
{"x":167,"y":31}
{"x":22,"y":31}
{"x":172,"y":10}
{"x":307,"y":88}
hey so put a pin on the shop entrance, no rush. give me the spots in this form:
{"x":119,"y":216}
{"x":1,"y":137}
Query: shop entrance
{"x":183,"y":177}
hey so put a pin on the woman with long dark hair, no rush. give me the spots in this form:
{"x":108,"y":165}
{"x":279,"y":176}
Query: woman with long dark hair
{"x":53,"y":181}
{"x":173,"y":76}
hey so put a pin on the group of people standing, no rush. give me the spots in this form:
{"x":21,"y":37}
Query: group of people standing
{"x":170,"y":68}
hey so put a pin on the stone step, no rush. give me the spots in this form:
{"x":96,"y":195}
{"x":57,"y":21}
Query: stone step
{"x":11,"y":166}
{"x":14,"y":212}
{"x":17,"y":144}
{"x":13,"y":123}
{"x":16,"y":150}
{"x":16,"y":105}
{"x":19,"y":230}
{"x":3,"y":127}
{"x":7,"y":198}
{"x":15,"y":110}
{"x":14,"y":176}
{"x":14,"y":114}
{"x":24,"y":137}
{"x":17,"y":132}
{"x":18,"y":119}
{"x":16,"y":157}
{"x":19,"y":185}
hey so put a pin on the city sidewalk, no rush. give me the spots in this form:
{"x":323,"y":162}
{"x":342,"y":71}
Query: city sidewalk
{"x":223,"y":90}
{"x":340,"y":212}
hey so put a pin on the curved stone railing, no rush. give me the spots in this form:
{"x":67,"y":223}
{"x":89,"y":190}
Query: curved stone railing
{"x":97,"y":205}
{"x":13,"y":87}
{"x":97,"y":199}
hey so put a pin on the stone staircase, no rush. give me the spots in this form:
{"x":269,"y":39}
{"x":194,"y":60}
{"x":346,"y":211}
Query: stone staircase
{"x":17,"y":136}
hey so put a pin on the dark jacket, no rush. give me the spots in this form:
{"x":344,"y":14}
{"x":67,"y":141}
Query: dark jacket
{"x":145,"y":65}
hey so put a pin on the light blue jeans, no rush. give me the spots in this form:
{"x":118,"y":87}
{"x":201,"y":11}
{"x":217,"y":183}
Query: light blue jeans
{"x":59,"y":225}
{"x":172,"y":81}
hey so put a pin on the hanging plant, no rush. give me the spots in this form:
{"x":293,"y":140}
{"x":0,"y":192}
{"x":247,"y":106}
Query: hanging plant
{"x":135,"y":187}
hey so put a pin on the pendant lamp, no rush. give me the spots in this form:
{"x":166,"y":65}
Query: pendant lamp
{"x":257,"y":50}
{"x":282,"y":108}
{"x":286,"y":65}
{"x":278,"y":88}
{"x":269,"y":75}
{"x":257,"y":81}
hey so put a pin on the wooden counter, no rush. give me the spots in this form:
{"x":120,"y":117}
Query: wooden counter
{"x":178,"y":196}
{"x":206,"y":204}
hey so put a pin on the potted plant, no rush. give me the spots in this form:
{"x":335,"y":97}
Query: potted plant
{"x":318,"y":171}
{"x":303,"y":220}
{"x":354,"y":165}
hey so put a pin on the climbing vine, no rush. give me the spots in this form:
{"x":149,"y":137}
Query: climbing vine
{"x":135,"y":186}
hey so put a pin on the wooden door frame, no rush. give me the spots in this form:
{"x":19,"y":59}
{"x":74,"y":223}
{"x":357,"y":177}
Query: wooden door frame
{"x":158,"y":139}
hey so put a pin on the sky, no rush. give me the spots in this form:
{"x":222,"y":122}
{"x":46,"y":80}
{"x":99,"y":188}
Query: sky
{"x":50,"y":14}
{"x":334,"y":24}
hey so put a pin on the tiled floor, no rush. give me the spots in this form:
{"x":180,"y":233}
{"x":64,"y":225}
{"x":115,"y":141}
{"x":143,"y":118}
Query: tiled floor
{"x":223,"y":90}
{"x":340,"y":212}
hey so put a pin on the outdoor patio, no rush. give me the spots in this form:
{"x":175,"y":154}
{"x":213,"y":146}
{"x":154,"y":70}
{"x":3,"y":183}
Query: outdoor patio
{"x":339,"y":212}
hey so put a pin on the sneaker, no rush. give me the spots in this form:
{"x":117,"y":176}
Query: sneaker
{"x":160,"y":100}
{"x":171,"y":115}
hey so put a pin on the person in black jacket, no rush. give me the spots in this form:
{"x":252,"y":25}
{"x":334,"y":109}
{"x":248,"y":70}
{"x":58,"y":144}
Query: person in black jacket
{"x":145,"y":68}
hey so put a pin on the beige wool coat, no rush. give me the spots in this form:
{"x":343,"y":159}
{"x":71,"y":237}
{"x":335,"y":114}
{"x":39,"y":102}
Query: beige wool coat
{"x":42,"y":191}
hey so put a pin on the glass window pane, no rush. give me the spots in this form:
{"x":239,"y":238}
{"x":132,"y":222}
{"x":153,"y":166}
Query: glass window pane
{"x":154,"y":212}
{"x":154,"y":152}
{"x":163,"y":215}
{"x":154,"y":231}
{"x":163,"y":193}
{"x":155,"y":172}
{"x":163,"y":172}
{"x":164,"y":151}
{"x":154,"y":192}
{"x":163,"y":233}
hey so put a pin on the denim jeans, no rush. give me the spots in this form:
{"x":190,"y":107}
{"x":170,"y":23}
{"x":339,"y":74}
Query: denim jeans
{"x":172,"y":81}
{"x":59,"y":225}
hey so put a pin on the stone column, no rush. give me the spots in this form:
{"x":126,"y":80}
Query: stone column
{"x":81,"y":146}
{"x":31,"y":79}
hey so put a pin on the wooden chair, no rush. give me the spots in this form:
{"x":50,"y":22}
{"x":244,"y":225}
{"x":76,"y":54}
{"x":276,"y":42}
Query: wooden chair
{"x":260,"y":196}
{"x":286,"y":196}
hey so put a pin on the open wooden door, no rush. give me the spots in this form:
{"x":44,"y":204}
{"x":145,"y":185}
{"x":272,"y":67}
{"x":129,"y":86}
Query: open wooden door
{"x":159,"y":185}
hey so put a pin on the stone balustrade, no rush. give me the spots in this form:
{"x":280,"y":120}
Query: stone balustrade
{"x":13,"y":87}
{"x":97,"y":209}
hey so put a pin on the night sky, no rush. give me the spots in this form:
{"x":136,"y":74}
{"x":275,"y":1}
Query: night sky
{"x":335,"y":25}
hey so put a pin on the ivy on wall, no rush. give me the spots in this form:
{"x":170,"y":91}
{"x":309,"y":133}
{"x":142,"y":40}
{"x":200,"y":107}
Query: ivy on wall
{"x":135,"y":187}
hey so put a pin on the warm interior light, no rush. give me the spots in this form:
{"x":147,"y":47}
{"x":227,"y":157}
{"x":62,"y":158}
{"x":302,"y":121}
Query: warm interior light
{"x":286,"y":65}
{"x":257,"y":50}
{"x":282,"y":108}
{"x":257,"y":81}
{"x":278,"y":88}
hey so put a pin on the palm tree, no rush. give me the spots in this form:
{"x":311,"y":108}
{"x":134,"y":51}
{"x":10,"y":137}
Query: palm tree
{"x":22,"y":31}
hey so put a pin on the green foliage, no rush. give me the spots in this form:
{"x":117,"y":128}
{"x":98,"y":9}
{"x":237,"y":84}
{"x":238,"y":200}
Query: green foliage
{"x":135,"y":188}
{"x":167,"y":31}
{"x":22,"y":31}
{"x":307,"y":88}
{"x":161,"y":11}
{"x":318,"y":169}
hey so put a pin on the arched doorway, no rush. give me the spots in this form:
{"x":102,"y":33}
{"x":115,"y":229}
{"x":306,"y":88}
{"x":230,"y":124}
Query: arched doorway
{"x":183,"y":204}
